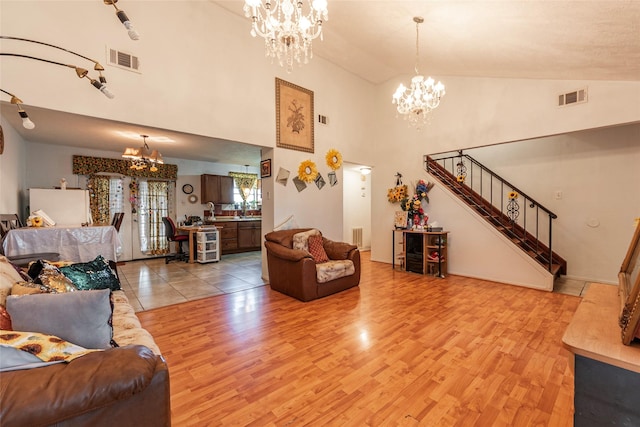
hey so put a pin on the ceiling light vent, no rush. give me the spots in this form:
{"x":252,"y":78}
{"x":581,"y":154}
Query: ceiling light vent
{"x":576,"y":97}
{"x":122,"y":59}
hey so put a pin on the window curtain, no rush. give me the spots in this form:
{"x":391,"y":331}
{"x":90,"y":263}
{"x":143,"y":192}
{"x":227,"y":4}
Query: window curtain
{"x":245,"y":182}
{"x":116,"y":196}
{"x":106,"y":198}
{"x":99,"y":199}
{"x":153,"y":203}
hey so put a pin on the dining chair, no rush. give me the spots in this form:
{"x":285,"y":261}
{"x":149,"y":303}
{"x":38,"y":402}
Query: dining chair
{"x":10,"y":221}
{"x":172,"y":236}
{"x":117,"y":220}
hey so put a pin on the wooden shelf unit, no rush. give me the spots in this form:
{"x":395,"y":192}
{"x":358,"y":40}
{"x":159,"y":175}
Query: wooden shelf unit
{"x":423,"y":252}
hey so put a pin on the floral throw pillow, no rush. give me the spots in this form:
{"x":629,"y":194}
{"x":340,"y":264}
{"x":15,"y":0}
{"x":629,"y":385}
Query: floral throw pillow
{"x":317,"y":250}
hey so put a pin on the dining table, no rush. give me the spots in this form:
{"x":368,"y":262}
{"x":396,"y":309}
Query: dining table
{"x":73,"y":243}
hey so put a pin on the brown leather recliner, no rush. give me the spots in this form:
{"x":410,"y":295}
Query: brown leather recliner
{"x":293,"y":271}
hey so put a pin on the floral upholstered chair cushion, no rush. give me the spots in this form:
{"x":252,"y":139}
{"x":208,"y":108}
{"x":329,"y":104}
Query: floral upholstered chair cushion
{"x":326,"y":269}
{"x":301,"y":240}
{"x":332,"y":270}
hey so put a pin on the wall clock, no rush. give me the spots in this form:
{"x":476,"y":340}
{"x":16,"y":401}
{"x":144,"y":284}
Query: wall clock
{"x":187,"y":189}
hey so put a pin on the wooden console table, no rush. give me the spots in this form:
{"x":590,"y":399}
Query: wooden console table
{"x":607,"y":372}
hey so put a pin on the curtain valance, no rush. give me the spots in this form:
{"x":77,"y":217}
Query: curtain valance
{"x":83,"y":165}
{"x":245,"y":182}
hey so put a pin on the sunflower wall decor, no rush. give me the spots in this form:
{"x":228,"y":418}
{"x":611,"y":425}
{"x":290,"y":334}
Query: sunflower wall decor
{"x":334,"y":159}
{"x":307,"y":171}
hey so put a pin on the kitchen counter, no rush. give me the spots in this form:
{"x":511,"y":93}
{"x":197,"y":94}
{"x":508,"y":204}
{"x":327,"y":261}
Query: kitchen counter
{"x":232,"y":219}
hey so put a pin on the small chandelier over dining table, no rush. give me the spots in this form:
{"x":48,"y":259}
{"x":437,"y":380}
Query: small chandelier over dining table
{"x":143,"y":156}
{"x":287,"y":31}
{"x":422,"y":96}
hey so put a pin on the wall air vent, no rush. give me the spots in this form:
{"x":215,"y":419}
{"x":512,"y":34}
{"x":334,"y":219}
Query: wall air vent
{"x":323,"y":120}
{"x":576,"y":97}
{"x":122,"y":59}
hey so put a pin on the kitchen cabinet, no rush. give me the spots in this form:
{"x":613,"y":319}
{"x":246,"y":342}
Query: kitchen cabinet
{"x":243,"y":235}
{"x":249,"y":235}
{"x":228,"y":236}
{"x":216,"y":188}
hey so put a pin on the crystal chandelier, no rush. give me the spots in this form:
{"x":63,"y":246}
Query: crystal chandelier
{"x":423,"y":95}
{"x":143,"y":156}
{"x":287,"y":31}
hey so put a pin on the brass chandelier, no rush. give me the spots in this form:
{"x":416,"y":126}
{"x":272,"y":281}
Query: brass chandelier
{"x":143,"y":156}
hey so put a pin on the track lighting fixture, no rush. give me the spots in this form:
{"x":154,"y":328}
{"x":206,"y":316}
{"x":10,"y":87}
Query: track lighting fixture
{"x":26,"y":121}
{"x":133,"y":34}
{"x":99,"y":84}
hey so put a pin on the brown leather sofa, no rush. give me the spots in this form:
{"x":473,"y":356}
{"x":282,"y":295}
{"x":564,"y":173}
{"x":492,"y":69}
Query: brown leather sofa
{"x":293,"y":271}
{"x":126,"y":386}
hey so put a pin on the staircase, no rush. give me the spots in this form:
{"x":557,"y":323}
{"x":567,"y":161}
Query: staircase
{"x":521,"y":219}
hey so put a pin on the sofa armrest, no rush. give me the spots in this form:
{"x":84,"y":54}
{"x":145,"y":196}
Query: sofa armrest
{"x":53,"y":394}
{"x":293,"y":255}
{"x":338,"y":250}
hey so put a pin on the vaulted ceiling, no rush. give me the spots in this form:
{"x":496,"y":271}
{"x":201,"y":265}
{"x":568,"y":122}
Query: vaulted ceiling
{"x":574,"y":40}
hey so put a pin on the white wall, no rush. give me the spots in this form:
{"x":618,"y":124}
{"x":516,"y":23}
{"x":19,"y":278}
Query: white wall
{"x":12,"y":171}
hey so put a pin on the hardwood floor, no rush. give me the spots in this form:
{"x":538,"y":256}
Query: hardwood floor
{"x":400,"y":350}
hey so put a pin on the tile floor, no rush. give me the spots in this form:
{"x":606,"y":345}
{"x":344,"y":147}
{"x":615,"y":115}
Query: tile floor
{"x":562,"y":285}
{"x":152,"y":283}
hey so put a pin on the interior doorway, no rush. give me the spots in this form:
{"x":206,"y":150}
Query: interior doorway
{"x":357,"y":204}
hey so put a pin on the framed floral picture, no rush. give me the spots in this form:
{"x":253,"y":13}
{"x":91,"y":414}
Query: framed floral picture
{"x":294,"y":117}
{"x":400,"y":219}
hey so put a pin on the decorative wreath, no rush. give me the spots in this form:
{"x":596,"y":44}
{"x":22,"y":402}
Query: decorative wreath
{"x":307,"y":171}
{"x":334,"y":159}
{"x":512,"y":195}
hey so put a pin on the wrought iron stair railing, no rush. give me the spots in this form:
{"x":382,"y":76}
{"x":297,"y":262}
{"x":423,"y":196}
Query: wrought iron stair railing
{"x":527,"y":223}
